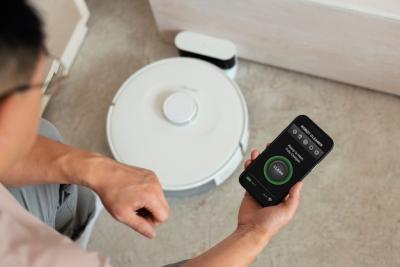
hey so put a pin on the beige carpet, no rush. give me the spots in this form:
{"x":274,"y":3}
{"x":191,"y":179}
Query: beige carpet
{"x":350,"y":210}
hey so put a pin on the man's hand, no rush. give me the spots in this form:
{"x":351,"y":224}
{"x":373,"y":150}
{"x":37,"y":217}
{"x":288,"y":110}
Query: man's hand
{"x":267,"y":220}
{"x":132,"y":195}
{"x":256,"y":226}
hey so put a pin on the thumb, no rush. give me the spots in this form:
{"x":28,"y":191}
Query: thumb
{"x":292,"y":201}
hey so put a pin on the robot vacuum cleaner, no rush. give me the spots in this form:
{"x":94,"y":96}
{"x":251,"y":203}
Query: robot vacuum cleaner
{"x":183,"y":118}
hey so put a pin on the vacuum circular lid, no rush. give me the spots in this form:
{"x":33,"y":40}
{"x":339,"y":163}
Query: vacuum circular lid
{"x":183,"y":118}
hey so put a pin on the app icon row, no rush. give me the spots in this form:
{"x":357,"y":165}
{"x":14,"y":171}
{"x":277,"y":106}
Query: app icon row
{"x":302,"y":138}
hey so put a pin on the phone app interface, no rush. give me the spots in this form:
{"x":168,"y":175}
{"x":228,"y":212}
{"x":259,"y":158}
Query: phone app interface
{"x":287,"y":160}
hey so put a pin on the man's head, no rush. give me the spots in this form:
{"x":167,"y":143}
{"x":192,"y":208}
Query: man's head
{"x":21,"y":63}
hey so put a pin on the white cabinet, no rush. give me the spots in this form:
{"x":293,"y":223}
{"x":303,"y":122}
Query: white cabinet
{"x":353,"y":41}
{"x":65,"y":26}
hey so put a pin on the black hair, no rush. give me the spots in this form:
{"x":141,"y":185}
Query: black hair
{"x":21,"y":41}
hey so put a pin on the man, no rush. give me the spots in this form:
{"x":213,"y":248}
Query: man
{"x":43,"y":174}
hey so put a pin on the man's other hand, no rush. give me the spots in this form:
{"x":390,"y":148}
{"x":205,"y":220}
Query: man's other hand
{"x":132,"y":195}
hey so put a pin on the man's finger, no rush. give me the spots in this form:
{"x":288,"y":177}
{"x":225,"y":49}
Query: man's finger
{"x":160,"y":193}
{"x":164,"y":202}
{"x":140,"y":224}
{"x":247,"y":163}
{"x":157,"y":208}
{"x":294,"y":197}
{"x":254,"y":154}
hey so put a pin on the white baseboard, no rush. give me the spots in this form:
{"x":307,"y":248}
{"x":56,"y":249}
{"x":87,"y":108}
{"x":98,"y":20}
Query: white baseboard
{"x":74,"y":45}
{"x":72,"y":48}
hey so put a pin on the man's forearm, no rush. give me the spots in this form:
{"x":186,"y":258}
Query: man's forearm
{"x":50,"y":162}
{"x":239,"y":249}
{"x":123,"y":189}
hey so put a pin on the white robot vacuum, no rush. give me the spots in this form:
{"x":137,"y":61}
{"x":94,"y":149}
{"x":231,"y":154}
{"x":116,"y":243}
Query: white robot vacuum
{"x":183,"y":118}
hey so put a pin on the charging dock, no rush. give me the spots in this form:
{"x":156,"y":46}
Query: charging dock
{"x":219,"y":52}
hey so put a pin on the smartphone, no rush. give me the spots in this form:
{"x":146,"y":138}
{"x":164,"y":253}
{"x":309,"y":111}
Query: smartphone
{"x":287,"y":160}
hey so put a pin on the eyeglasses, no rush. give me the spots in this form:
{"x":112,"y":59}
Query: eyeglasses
{"x":52,"y":86}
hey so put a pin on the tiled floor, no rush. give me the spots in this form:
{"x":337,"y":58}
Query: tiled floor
{"x":350,"y":210}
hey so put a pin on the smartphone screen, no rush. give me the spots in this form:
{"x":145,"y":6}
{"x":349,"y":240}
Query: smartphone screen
{"x":287,"y":160}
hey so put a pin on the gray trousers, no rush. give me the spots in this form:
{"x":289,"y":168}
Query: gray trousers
{"x":66,"y":208}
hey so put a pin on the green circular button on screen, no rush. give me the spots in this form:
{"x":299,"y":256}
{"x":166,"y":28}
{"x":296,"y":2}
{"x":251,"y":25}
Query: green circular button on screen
{"x":278,"y":170}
